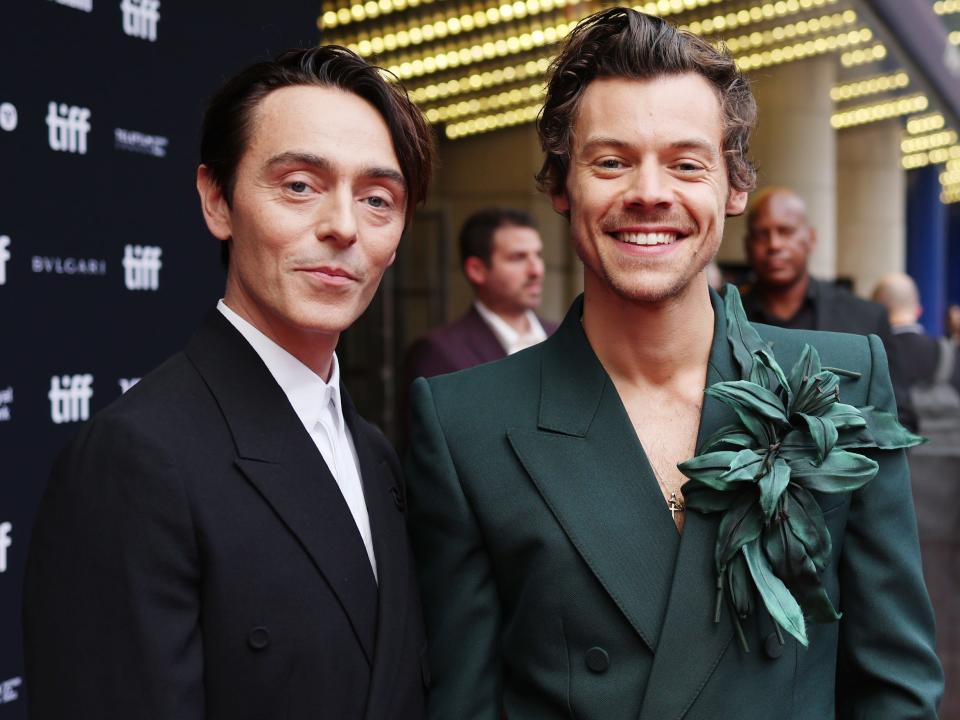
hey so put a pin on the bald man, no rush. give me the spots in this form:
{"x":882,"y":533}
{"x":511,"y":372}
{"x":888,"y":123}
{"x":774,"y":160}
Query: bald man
{"x":926,"y":360}
{"x":779,"y":243}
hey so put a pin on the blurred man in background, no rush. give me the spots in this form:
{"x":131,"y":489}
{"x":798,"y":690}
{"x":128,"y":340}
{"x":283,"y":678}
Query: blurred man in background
{"x":928,"y":365}
{"x":502,"y":257}
{"x":779,"y":243}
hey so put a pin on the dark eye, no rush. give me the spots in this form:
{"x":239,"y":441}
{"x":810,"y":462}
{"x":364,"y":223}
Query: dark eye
{"x":298,"y":186}
{"x":375,"y":201}
{"x":611,"y":164}
{"x":688,"y":166}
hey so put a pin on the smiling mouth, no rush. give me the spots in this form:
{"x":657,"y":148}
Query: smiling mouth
{"x":637,"y":238}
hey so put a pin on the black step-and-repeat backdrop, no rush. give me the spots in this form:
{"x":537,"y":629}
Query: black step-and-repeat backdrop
{"x":105,"y":264}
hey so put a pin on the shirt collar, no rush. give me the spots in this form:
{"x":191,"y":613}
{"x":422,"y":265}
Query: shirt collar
{"x":506,"y":335}
{"x":307,"y":392}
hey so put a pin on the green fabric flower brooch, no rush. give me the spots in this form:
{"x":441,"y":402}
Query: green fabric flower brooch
{"x":794,"y":436}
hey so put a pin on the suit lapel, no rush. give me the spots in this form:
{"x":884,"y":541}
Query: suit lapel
{"x":481,"y":339}
{"x":384,"y":498}
{"x":278,"y":457}
{"x":690,"y":640}
{"x":588,"y":465}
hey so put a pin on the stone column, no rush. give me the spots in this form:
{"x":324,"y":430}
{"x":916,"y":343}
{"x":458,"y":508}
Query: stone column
{"x":794,"y":145}
{"x":871,"y":204}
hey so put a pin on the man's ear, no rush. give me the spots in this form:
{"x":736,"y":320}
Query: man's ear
{"x":475,"y":270}
{"x":736,"y":202}
{"x":561,"y":204}
{"x":216,"y":211}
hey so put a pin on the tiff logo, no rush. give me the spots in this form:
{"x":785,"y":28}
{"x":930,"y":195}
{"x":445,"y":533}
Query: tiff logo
{"x":69,"y":126}
{"x":4,"y":256}
{"x":5,"y":542}
{"x":6,"y":400}
{"x":140,"y":18}
{"x":126,"y":383}
{"x":141,"y":267}
{"x":8,"y":690}
{"x":8,"y":117}
{"x":70,"y":397}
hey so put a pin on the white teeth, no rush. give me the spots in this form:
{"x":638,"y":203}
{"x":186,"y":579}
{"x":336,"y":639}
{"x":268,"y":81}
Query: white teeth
{"x":647,"y":238}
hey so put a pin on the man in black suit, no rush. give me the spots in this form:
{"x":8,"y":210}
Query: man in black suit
{"x":929,"y":364}
{"x":227,"y":540}
{"x":779,"y":242}
{"x":502,"y":257}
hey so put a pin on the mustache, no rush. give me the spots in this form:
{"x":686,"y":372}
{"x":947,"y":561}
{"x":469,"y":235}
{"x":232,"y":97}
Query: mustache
{"x":619,"y":220}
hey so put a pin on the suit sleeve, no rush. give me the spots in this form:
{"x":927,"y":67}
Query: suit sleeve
{"x":456,"y":579}
{"x":887,"y":666}
{"x":111,"y":597}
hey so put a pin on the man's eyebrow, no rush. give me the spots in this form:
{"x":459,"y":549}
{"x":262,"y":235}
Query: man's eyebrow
{"x":602,"y":141}
{"x":322,"y":164}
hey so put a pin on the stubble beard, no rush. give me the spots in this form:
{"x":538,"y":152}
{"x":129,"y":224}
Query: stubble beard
{"x":636,"y":283}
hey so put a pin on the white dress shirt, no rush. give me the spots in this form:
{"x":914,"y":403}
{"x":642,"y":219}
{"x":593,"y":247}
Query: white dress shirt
{"x":318,"y":405}
{"x":510,"y":339}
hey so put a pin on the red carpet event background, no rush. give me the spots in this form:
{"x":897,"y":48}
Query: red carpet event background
{"x":105,"y":263}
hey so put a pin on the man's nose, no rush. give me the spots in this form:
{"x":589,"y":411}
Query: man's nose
{"x":535,"y":267}
{"x":337,"y":220}
{"x":648,"y":187}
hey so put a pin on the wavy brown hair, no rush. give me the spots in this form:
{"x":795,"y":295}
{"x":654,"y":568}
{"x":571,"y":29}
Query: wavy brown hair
{"x":620,"y":42}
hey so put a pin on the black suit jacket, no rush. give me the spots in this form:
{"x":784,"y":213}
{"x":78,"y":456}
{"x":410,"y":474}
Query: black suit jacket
{"x":193,"y":557}
{"x":836,"y":309}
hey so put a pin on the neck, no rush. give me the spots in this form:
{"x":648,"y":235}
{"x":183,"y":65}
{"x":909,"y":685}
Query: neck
{"x":903,"y":317}
{"x":783,"y":301}
{"x":650,"y":343}
{"x":511,"y":315}
{"x":313,"y":349}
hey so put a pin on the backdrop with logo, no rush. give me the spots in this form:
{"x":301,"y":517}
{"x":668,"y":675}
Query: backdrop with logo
{"x":105,"y":264}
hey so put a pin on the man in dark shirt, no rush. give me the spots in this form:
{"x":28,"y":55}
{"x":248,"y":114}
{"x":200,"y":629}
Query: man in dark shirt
{"x":779,"y":242}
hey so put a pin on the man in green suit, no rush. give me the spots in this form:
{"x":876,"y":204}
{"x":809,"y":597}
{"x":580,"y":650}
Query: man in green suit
{"x":562,"y":575}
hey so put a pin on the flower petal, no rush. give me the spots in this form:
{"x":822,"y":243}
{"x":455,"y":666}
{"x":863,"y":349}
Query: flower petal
{"x":887,"y":432}
{"x":743,"y":395}
{"x":823,"y":432}
{"x":743,"y":338}
{"x":733,"y":435}
{"x":781,"y":605}
{"x":741,"y":524}
{"x":772,"y":485}
{"x":841,"y":471}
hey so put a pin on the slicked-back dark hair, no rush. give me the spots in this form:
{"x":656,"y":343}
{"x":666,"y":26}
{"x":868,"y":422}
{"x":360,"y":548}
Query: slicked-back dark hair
{"x":228,"y":120}
{"x":621,"y":42}
{"x":476,"y":235}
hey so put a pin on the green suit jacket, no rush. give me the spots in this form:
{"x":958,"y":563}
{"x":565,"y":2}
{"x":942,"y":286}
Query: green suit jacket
{"x":556,"y":585}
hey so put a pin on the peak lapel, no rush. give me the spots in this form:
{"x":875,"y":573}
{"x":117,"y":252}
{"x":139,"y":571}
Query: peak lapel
{"x":278,"y":457}
{"x":383,"y":495}
{"x":691,"y":644}
{"x":589,"y":467}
